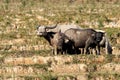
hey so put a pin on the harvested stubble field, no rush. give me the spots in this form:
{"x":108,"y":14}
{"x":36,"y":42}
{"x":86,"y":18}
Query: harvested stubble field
{"x":25,"y":56}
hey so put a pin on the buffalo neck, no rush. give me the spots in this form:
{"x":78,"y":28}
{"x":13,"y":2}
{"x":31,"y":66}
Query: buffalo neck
{"x":49,"y":36}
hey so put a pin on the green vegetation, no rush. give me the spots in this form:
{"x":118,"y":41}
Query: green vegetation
{"x":19,"y":18}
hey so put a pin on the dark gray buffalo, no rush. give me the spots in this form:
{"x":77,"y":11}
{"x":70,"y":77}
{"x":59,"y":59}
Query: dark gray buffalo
{"x":85,"y":38}
{"x":106,"y":44}
{"x":58,"y":43}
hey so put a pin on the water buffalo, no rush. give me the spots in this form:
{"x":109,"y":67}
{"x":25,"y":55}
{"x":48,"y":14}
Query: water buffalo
{"x":58,"y":42}
{"x":104,"y":43}
{"x":55,"y":39}
{"x":84,"y":38}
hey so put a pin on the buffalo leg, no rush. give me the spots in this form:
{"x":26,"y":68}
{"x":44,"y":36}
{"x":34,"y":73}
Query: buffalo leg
{"x":77,"y":51}
{"x":93,"y":51}
{"x":87,"y":50}
{"x":87,"y":46}
{"x":55,"y":51}
{"x":82,"y":50}
{"x":98,"y":50}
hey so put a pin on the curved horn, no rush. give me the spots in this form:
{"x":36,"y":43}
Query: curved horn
{"x":51,"y":27}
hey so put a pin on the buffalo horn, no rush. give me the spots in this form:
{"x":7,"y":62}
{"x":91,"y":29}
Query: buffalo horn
{"x":38,"y":26}
{"x":51,"y":27}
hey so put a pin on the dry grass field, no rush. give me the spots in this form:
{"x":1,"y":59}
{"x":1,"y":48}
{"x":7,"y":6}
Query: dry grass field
{"x":25,"y":56}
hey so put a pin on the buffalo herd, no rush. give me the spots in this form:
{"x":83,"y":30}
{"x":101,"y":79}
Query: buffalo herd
{"x":73,"y":39}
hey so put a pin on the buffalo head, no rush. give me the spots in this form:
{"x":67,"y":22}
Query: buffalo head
{"x":98,"y":36}
{"x":42,"y":30}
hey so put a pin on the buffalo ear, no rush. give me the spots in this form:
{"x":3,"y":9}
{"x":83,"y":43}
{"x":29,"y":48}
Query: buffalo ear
{"x":93,"y":35}
{"x":66,"y":40}
{"x":102,"y":34}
